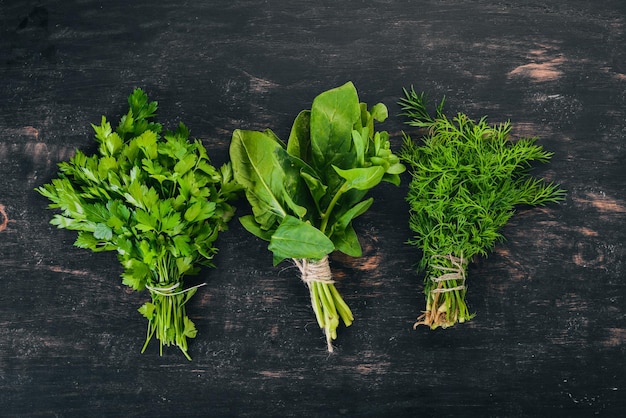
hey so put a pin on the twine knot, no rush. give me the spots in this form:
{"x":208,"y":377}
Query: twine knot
{"x":314,"y":271}
{"x":456,"y":272}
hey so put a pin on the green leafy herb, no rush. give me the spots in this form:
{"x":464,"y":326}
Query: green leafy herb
{"x":467,"y":177}
{"x":156,"y":200}
{"x":304,"y":194}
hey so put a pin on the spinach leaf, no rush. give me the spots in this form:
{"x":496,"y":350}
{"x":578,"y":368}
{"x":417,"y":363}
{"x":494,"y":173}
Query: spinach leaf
{"x":297,"y":239}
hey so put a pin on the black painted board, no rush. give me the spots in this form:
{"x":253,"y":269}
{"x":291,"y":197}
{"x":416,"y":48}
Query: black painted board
{"x":548,"y":338}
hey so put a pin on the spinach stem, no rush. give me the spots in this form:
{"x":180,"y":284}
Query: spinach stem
{"x":331,"y":206}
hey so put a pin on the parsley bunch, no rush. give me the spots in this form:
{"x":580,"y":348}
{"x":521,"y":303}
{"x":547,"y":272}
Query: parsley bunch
{"x":156,"y":200}
{"x":467,"y":177}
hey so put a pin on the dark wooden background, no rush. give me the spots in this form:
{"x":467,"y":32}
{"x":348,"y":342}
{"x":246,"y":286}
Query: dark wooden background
{"x":549,"y":337}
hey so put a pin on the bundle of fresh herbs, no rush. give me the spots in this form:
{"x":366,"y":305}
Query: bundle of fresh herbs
{"x":304,"y":194}
{"x":467,"y":178}
{"x":156,"y":200}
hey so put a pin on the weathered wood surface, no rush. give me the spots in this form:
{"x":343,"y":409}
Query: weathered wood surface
{"x":549,"y":336}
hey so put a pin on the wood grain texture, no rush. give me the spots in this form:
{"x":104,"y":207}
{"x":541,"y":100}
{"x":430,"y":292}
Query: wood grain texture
{"x":549,"y":337}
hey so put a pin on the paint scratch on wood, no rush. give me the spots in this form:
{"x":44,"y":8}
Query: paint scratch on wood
{"x":617,"y":337}
{"x":53,"y":268}
{"x":259,"y":85}
{"x":30,"y":131}
{"x":58,"y":269}
{"x":603,"y":203}
{"x":542,"y":68}
{"x":269,"y":373}
{"x":375,"y":367}
{"x":545,"y":71}
{"x":4,"y":219}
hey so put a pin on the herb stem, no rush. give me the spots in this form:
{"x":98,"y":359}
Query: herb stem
{"x":331,"y":206}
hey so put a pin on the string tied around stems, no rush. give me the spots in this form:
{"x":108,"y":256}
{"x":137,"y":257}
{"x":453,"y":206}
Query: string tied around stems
{"x":318,"y":278}
{"x":453,"y":271}
{"x":314,"y":271}
{"x":456,"y":272}
{"x":169,"y":291}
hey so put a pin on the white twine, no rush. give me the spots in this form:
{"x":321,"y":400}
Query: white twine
{"x":314,"y":271}
{"x":457,"y":272}
{"x":167,"y":291}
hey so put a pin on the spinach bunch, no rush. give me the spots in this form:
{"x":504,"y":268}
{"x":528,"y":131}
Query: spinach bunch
{"x":467,"y":178}
{"x":156,"y":200}
{"x":305,"y":193}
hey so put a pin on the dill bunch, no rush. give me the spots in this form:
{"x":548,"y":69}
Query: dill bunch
{"x":466,"y":179}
